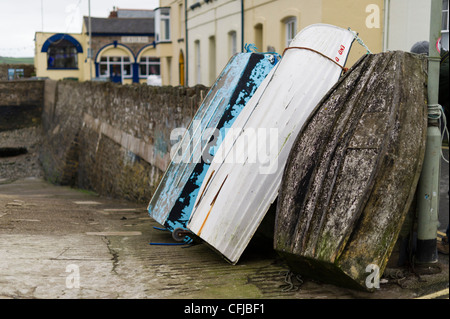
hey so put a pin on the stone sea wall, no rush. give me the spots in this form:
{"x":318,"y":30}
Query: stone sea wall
{"x":112,"y":139}
{"x":21,"y":104}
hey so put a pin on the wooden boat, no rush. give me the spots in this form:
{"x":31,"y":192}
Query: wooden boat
{"x":352,"y":172}
{"x":241,"y":183}
{"x":172,"y":202}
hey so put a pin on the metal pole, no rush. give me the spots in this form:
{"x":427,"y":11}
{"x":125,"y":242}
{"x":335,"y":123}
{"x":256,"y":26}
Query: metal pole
{"x":428,"y":190}
{"x":186,"y":62}
{"x":90,"y":43}
{"x":387,"y":10}
{"x":242,"y":26}
{"x":42,"y":15}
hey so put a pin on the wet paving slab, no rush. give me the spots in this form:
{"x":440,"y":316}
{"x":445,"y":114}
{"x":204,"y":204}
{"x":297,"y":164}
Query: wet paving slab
{"x":63,"y":243}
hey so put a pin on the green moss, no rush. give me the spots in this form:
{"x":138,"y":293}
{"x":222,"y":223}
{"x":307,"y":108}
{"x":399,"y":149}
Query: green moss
{"x":321,"y":271}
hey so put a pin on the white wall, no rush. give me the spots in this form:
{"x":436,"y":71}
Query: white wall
{"x":408,"y":23}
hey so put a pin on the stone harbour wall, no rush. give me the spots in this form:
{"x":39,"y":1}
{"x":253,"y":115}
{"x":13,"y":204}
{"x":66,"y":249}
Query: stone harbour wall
{"x":21,"y":104}
{"x":112,"y":139}
{"x":21,"y":92}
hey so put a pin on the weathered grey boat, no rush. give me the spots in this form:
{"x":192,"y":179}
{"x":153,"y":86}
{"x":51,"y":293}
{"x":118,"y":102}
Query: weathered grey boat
{"x":353,"y":170}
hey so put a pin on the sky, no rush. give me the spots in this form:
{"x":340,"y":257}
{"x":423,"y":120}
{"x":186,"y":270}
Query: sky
{"x":21,"y":19}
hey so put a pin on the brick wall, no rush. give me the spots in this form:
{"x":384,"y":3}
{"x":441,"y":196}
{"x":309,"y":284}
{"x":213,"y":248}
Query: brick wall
{"x":112,"y":139}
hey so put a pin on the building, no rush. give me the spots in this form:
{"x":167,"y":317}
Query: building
{"x":214,"y":33}
{"x":188,"y":42}
{"x":60,"y":56}
{"x":170,"y":42}
{"x":216,"y":29}
{"x":408,"y":22}
{"x":123,"y":49}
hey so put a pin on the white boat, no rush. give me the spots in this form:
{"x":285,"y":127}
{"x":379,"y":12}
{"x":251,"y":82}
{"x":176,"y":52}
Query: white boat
{"x":244,"y":178}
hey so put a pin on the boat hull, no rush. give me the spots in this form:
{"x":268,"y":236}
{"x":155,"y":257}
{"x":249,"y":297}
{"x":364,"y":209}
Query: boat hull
{"x":245,"y":175}
{"x":352,"y":172}
{"x":172,"y":202}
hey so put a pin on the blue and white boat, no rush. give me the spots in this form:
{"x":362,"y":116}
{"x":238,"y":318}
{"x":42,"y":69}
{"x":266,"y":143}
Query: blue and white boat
{"x":245,"y":175}
{"x":173,"y":201}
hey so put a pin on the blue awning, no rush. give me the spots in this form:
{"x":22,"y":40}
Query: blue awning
{"x":60,"y":36}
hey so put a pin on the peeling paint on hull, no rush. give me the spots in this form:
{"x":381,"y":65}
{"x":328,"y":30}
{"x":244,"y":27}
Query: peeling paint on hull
{"x":173,"y":201}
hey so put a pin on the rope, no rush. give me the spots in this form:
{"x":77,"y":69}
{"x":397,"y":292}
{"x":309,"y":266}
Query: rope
{"x":360,"y":41}
{"x":159,"y":228}
{"x":167,"y":244}
{"x":186,"y":241}
{"x":290,"y":286}
{"x":325,"y":56}
{"x":251,"y":48}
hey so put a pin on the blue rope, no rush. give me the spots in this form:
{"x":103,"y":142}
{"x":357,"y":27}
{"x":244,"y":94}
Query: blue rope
{"x":250,"y":47}
{"x":158,"y":228}
{"x":167,"y":244}
{"x":187,"y":241}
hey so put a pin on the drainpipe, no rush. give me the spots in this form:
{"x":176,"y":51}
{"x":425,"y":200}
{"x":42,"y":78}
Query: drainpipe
{"x":428,"y":190}
{"x":186,"y":63}
{"x":242,"y":25}
{"x":90,"y":43}
{"x":387,"y":5}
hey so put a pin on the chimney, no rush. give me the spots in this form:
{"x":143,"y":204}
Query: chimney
{"x":113,"y":14}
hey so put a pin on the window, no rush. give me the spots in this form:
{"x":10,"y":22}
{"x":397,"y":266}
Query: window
{"x":181,"y":21}
{"x":14,"y":74}
{"x":445,"y":16}
{"x":115,"y":66}
{"x":162,"y":24}
{"x":259,"y":37}
{"x":198,"y":74}
{"x":444,"y":40}
{"x":62,"y":54}
{"x":233,"y":42}
{"x":291,"y":30}
{"x":212,"y":59}
{"x":149,"y":66}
